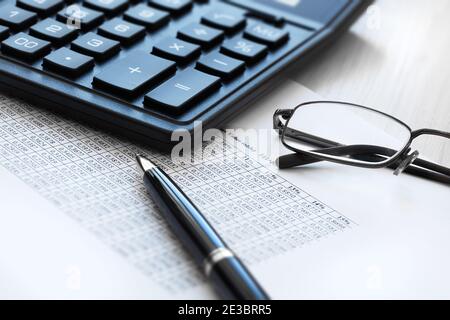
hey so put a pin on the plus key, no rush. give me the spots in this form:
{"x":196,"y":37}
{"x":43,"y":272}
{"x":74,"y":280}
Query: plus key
{"x":134,"y":74}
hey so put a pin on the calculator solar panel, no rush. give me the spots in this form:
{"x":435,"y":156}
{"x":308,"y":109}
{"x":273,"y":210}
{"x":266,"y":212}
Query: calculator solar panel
{"x":147,"y":68}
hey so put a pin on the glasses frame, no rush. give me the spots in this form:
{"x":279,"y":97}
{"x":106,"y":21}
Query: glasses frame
{"x":399,"y":161}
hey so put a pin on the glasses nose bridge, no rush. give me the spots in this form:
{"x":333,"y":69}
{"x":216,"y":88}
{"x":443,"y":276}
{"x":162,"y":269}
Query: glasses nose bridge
{"x":284,"y":114}
{"x":406,"y":162}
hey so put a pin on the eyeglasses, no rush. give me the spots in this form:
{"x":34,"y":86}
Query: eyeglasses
{"x":355,"y":135}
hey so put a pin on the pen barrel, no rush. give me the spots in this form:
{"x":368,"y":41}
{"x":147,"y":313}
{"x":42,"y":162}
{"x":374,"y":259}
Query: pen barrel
{"x":234,"y":282}
{"x":230,"y":277}
{"x":185,"y":220}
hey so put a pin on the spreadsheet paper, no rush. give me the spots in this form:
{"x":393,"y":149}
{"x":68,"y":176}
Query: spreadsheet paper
{"x":92,"y":177}
{"x":88,"y":246}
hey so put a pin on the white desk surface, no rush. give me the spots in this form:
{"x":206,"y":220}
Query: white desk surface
{"x":395,"y":59}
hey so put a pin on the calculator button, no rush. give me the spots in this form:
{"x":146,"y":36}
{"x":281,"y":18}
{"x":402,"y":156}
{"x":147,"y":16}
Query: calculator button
{"x":263,"y":33}
{"x":68,"y":62}
{"x":182,"y":90}
{"x":41,"y":7}
{"x":16,"y":19}
{"x":244,"y":49}
{"x":178,"y":50}
{"x":80,"y":17}
{"x":4,"y":33}
{"x":227,"y":20}
{"x":26,"y":47}
{"x":121,"y":30}
{"x":173,"y":6}
{"x":131,"y":75}
{"x":200,"y":34}
{"x":96,"y":46}
{"x":322,"y":11}
{"x":53,"y":31}
{"x":146,"y":16}
{"x":220,"y":65}
{"x":109,"y":7}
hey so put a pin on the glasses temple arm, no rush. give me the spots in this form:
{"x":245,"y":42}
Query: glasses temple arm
{"x":420,"y":167}
{"x":359,"y":152}
{"x":295,"y":160}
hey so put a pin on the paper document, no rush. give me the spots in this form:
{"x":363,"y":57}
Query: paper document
{"x":92,"y":177}
{"x":76,"y":221}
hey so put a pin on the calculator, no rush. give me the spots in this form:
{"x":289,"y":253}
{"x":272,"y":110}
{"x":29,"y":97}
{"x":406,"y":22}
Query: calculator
{"x":146,"y":69}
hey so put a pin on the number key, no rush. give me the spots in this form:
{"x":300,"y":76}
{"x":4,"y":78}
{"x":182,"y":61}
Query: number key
{"x":173,"y":6}
{"x":96,"y":46}
{"x":16,"y":18}
{"x":80,"y":17}
{"x":41,"y":7}
{"x":53,"y":31}
{"x":122,"y":31}
{"x":146,"y":16}
{"x":26,"y":47}
{"x":109,"y":7}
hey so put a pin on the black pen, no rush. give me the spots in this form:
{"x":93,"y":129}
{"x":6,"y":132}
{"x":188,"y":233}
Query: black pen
{"x":229,"y":276}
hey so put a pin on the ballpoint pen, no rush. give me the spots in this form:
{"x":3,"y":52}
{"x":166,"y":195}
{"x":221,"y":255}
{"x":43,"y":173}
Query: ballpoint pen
{"x":222,"y":267}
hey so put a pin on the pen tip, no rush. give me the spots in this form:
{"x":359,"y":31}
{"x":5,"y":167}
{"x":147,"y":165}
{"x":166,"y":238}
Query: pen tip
{"x":144,"y":163}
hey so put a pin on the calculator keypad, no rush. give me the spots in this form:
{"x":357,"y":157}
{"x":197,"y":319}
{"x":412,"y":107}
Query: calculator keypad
{"x":171,"y":57}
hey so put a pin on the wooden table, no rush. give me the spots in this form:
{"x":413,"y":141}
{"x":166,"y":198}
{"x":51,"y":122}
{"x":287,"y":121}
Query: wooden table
{"x":396,"y":58}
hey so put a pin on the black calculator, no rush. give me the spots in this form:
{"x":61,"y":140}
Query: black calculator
{"x":146,"y":68}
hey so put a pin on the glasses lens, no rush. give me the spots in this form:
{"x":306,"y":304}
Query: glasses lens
{"x":434,"y":149}
{"x":346,"y":132}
